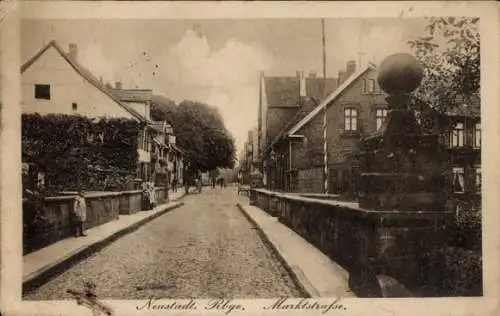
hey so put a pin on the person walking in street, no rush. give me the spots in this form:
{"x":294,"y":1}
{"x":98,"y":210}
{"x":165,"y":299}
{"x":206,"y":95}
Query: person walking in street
{"x":80,"y":212}
{"x":174,"y":183}
{"x":198,"y":184}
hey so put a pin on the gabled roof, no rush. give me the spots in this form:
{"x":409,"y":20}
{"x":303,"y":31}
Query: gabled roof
{"x":282,"y":91}
{"x":307,"y":107}
{"x":330,"y":98}
{"x":87,"y":75}
{"x":285,"y":91}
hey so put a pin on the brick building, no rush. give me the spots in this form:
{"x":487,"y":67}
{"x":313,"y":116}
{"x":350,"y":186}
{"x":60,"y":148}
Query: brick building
{"x":462,"y":139}
{"x":355,"y":109}
{"x":283,"y":101}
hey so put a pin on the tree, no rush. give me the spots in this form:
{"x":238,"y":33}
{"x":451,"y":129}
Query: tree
{"x":451,"y":58}
{"x":200,"y":131}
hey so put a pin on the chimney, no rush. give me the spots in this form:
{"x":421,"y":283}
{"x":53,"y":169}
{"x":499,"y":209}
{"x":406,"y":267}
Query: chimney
{"x":262,"y":74}
{"x":302,"y":85}
{"x":350,"y":68}
{"x":118,"y":85}
{"x":341,"y":77}
{"x":312,"y":74}
{"x":101,"y":81}
{"x":73,"y":52}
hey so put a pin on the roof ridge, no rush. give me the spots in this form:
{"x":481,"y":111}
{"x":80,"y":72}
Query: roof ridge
{"x":331,"y":97}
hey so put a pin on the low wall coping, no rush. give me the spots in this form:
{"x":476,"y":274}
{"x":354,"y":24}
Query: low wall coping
{"x":354,"y":206}
{"x":59,"y":198}
{"x":130,"y":192}
{"x":69,"y":195}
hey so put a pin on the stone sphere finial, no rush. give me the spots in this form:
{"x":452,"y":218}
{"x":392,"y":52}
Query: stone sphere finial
{"x":400,"y":73}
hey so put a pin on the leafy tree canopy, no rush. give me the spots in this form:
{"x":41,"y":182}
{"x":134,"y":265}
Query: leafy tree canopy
{"x":451,"y":58}
{"x":200,"y":131}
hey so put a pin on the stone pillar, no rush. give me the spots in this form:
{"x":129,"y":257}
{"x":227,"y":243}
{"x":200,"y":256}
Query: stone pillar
{"x":402,"y":180}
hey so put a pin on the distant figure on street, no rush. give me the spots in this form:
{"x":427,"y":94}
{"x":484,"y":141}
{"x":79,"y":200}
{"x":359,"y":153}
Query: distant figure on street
{"x":174,"y":183}
{"x":80,"y":212}
{"x":198,"y":185}
{"x":146,"y":199}
{"x":213,"y":183}
{"x":152,"y":195}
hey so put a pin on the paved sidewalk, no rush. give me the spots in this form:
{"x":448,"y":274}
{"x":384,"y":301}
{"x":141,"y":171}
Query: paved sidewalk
{"x":42,"y":261}
{"x":318,"y":274}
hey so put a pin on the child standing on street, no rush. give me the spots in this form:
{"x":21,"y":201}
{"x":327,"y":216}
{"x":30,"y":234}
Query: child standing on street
{"x":80,"y":211}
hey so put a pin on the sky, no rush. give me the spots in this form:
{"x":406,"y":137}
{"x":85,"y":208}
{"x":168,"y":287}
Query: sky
{"x":218,"y":61}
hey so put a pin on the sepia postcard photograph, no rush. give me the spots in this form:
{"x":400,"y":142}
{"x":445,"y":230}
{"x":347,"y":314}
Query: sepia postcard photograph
{"x":249,"y":158}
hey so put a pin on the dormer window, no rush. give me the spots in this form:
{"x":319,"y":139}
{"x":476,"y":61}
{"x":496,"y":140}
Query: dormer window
{"x":42,"y":92}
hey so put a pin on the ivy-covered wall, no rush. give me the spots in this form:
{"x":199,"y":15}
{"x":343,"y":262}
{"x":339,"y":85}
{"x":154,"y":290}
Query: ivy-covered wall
{"x":76,"y":151}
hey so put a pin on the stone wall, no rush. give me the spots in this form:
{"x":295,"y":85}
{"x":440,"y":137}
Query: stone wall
{"x":403,"y":245}
{"x":161,"y":194}
{"x":102,"y":208}
{"x":55,"y":221}
{"x":130,"y":202}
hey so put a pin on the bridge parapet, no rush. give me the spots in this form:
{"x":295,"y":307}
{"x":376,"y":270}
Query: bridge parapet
{"x":368,"y":243}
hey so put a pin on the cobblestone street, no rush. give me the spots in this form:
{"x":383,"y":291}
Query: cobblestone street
{"x":204,"y":249}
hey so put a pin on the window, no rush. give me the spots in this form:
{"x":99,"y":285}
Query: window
{"x":42,"y":91}
{"x":478,"y":180}
{"x":457,"y":135}
{"x":350,"y":119}
{"x":458,"y":180}
{"x":477,"y":135}
{"x":369,"y":86}
{"x":380,"y":116}
{"x":74,"y":106}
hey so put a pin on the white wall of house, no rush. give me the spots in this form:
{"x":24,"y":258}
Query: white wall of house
{"x":66,"y":87}
{"x":140,"y":107}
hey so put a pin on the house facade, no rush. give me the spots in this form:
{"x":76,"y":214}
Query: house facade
{"x":283,"y":101}
{"x":462,"y":140}
{"x":331,"y":133}
{"x":166,"y":157}
{"x":318,"y":153}
{"x":53,"y":82}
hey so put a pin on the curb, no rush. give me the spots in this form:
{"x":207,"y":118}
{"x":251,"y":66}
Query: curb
{"x":41,"y":276}
{"x":298,"y":277}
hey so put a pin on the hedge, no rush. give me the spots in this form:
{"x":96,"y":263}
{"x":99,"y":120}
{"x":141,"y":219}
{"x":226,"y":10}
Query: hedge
{"x":69,"y":148}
